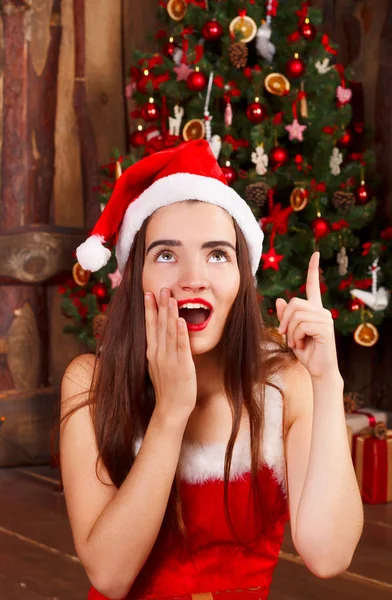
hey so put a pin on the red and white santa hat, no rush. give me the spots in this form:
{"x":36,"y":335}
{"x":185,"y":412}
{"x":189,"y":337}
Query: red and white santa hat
{"x":186,"y":172}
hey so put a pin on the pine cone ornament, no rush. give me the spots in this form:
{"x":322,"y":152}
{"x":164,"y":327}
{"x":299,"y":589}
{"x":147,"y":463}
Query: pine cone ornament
{"x":352,"y":401}
{"x":257,"y":193}
{"x":238,"y":54}
{"x":343,"y":201}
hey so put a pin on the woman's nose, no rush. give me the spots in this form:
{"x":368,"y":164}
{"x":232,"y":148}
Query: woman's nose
{"x":193,"y":276}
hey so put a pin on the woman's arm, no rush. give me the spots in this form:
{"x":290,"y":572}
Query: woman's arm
{"x":325,"y":503}
{"x":115,"y":530}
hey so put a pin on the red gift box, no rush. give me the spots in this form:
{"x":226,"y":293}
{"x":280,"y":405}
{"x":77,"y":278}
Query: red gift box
{"x":373,"y":467}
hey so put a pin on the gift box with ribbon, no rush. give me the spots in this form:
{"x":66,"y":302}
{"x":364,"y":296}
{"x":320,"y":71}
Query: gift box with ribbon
{"x":372,"y":457}
{"x":359,"y":419}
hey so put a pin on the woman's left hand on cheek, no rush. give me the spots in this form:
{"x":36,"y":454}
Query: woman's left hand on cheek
{"x":309,"y":327}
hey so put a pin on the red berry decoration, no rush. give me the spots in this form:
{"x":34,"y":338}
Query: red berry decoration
{"x":197,"y":81}
{"x":168,"y":48}
{"x":362,"y":193}
{"x":279,"y":156}
{"x":137,"y":138}
{"x":230,"y":173}
{"x":354,"y":304}
{"x":150,"y":111}
{"x":212,"y":31}
{"x":295,"y":67}
{"x":256,"y":112}
{"x":320,"y":227}
{"x":346,"y":139}
{"x":307,"y":31}
{"x":99,"y":291}
{"x":335,"y":313}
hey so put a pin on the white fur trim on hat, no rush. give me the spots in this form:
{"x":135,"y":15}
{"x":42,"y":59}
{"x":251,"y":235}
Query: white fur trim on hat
{"x":92,"y":254}
{"x":188,"y":186}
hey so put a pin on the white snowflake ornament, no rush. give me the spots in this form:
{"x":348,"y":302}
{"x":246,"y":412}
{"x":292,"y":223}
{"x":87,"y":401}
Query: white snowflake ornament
{"x":335,"y":161}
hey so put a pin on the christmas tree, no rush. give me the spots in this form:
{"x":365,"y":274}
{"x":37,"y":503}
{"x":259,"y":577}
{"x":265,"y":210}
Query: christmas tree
{"x":261,"y":83}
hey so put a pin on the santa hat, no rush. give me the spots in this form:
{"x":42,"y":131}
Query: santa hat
{"x":186,"y":172}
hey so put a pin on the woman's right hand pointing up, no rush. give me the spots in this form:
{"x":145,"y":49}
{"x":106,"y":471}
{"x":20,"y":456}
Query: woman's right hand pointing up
{"x":170,"y":363}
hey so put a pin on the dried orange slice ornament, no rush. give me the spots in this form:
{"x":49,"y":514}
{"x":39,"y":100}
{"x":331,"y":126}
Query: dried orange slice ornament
{"x":245,"y":26}
{"x":194,"y":130}
{"x":366,"y":334}
{"x":81,"y":277}
{"x":277,"y":84}
{"x":298,"y":198}
{"x":177,"y":9}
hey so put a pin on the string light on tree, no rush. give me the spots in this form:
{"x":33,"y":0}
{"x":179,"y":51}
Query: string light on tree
{"x":138,"y":137}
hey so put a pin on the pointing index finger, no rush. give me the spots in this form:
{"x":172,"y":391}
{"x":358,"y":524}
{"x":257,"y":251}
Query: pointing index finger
{"x":313,"y":292}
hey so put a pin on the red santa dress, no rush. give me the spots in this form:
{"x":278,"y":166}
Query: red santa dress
{"x":214,"y":565}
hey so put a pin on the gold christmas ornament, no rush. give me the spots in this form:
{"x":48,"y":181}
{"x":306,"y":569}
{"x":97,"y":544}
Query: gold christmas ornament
{"x":298,"y":198}
{"x":366,"y":334}
{"x":81,"y":277}
{"x":194,"y":129}
{"x":245,"y":26}
{"x":238,"y":55}
{"x":177,"y":9}
{"x":303,"y":105}
{"x":277,"y":84}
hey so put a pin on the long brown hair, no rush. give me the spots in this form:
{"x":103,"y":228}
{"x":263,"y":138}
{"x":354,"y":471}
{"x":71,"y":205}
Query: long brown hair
{"x":122,"y":397}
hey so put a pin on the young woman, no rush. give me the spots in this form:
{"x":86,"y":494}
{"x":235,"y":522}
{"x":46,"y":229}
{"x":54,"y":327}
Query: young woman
{"x":196,"y":433}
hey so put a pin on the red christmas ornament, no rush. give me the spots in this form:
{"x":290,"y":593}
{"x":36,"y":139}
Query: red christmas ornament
{"x":354,"y":304}
{"x":212,"y":31}
{"x":345,"y":140}
{"x":295,"y":67}
{"x":271,"y":260}
{"x":320,"y":227}
{"x":150,"y":112}
{"x":168,"y":49}
{"x":230,"y":173}
{"x":362,"y":193}
{"x":279,"y":156}
{"x":335,"y":313}
{"x":197,"y":81}
{"x":256,"y":112}
{"x":307,"y":31}
{"x":99,"y":291}
{"x":137,"y":138}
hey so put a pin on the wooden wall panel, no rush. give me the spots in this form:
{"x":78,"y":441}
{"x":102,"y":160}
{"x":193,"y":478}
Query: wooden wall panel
{"x":104,"y":77}
{"x":68,"y":186}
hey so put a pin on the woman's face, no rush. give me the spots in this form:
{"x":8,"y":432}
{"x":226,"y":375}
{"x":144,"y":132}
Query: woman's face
{"x":191,"y":263}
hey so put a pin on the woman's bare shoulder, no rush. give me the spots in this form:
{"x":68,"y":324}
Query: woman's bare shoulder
{"x":78,"y":376}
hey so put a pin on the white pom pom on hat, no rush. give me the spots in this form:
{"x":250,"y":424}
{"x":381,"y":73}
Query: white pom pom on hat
{"x":187,"y":171}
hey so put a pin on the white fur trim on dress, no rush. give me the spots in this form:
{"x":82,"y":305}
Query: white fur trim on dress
{"x":186,"y":186}
{"x":92,"y":254}
{"x":199,"y":463}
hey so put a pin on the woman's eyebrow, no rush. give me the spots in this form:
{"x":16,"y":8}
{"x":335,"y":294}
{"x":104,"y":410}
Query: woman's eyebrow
{"x":211,"y":244}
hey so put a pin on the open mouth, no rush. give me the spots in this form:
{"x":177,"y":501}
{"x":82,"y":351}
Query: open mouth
{"x":196,"y":318}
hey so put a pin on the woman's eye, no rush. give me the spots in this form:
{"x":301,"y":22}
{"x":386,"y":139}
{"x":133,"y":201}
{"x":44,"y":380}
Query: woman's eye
{"x":222,"y":255}
{"x":162,"y":255}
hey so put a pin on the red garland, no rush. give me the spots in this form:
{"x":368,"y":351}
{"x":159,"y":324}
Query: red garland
{"x":359,"y":283}
{"x":279,"y":218}
{"x":232,"y":92}
{"x":325,"y":43}
{"x":302,"y":13}
{"x":235,"y":143}
{"x":273,"y":9}
{"x":339,"y":225}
